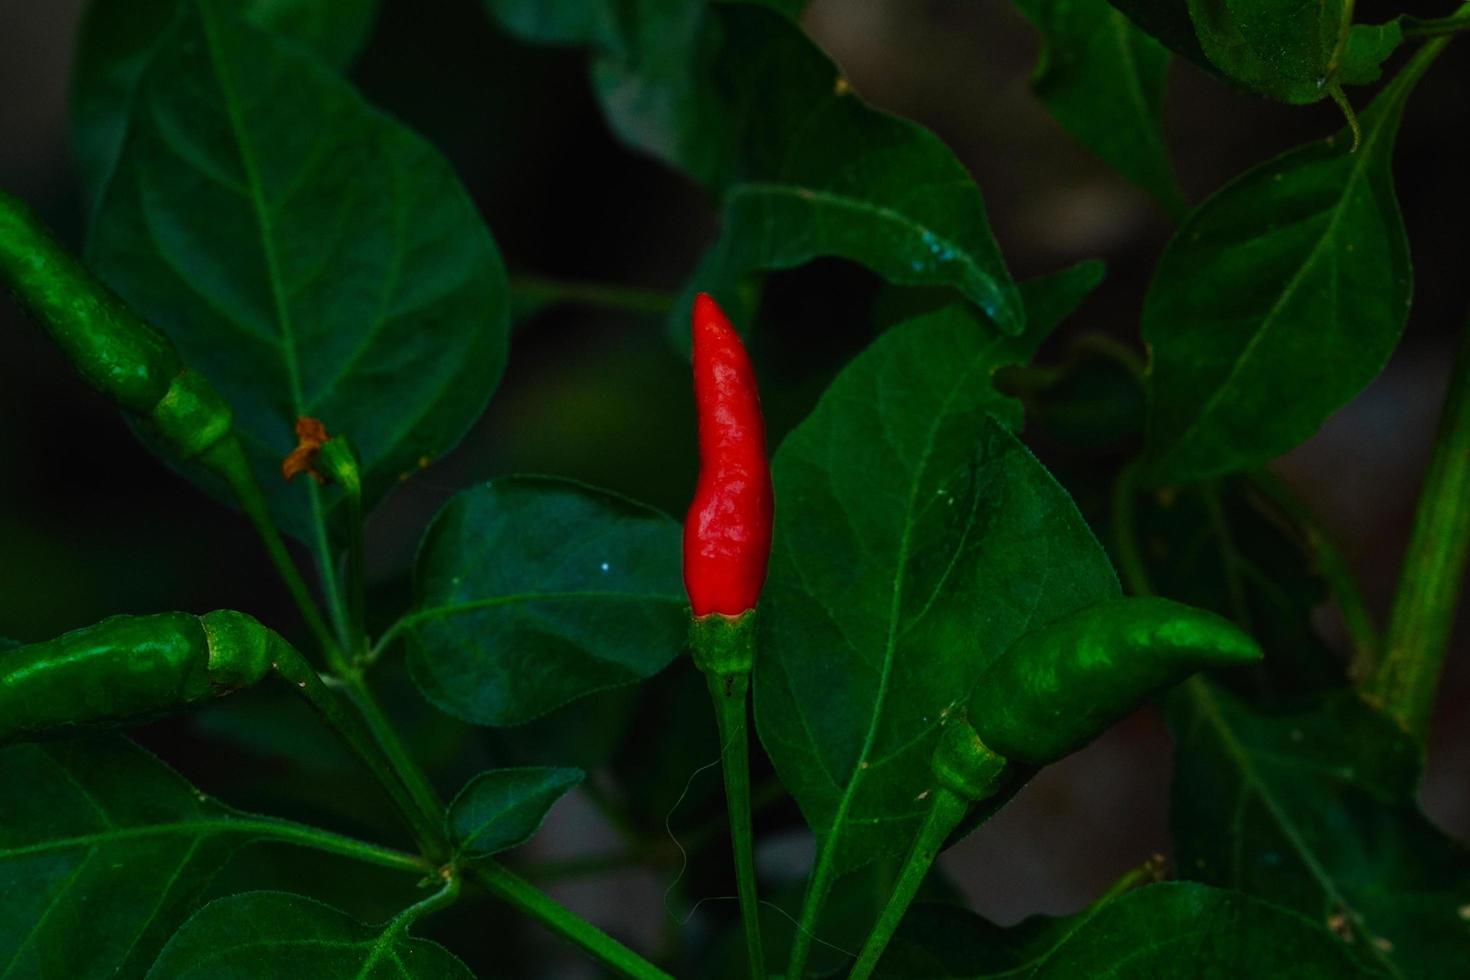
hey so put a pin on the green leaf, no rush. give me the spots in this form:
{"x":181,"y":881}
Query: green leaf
{"x":99,"y":835}
{"x":1103,"y":80}
{"x":1167,"y":20}
{"x":307,"y":254}
{"x":275,"y":934}
{"x":820,"y":173}
{"x":1315,"y":810}
{"x":1164,"y":930}
{"x":915,"y":539}
{"x":1287,"y":49}
{"x":532,"y":592}
{"x":119,"y":38}
{"x":1278,"y":299}
{"x":503,"y":808}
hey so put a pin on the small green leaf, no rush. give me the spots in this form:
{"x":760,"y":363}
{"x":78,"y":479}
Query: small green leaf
{"x":1278,"y":299}
{"x":119,"y":38}
{"x":99,"y":835}
{"x":1164,"y":930}
{"x":915,"y":539}
{"x":1314,"y":810}
{"x":275,"y":934}
{"x":533,"y":592}
{"x":503,"y":808}
{"x":1103,"y":80}
{"x":305,"y":253}
{"x":1287,"y":49}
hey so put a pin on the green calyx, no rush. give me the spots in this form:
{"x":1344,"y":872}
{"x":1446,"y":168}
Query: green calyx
{"x":241,"y":651}
{"x":114,"y":351}
{"x":191,"y":416}
{"x":964,"y":765}
{"x":127,"y":669}
{"x":1060,"y":686}
{"x":723,"y":646}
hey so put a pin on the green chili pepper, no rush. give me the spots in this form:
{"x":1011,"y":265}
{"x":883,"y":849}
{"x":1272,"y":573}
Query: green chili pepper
{"x":1060,"y":686}
{"x":129,"y":668}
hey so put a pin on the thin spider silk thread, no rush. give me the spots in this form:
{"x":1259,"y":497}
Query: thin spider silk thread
{"x":684,"y":867}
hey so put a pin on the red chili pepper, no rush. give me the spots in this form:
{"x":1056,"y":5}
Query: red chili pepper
{"x":727,"y":535}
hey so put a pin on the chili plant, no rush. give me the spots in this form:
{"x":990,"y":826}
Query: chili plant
{"x":900,"y":619}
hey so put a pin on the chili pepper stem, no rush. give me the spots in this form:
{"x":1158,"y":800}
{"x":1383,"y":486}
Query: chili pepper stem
{"x":340,"y":461}
{"x":426,"y":825}
{"x":1424,"y":605}
{"x":730,"y":694}
{"x":227,"y":458}
{"x":385,"y":734}
{"x":529,"y":900}
{"x":946,"y":810}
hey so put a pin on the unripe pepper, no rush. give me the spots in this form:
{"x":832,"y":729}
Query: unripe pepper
{"x":727,"y":533}
{"x":1060,"y":686}
{"x":129,"y":668}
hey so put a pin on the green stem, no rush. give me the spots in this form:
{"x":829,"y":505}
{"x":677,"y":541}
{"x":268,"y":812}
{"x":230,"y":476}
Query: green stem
{"x":541,"y":907}
{"x":426,"y":825}
{"x":1125,"y":533}
{"x":326,"y":566}
{"x":227,"y":458}
{"x":340,"y":462}
{"x":425,"y":799}
{"x":811,"y":907}
{"x":1436,"y":26}
{"x":441,"y":899}
{"x":1332,"y":564}
{"x":1424,"y":604}
{"x":730,"y":694}
{"x":289,"y":832}
{"x":607,"y":296}
{"x":946,"y":809}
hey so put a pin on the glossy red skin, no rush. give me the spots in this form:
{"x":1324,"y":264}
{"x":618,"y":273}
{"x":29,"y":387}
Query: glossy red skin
{"x":727,"y":534}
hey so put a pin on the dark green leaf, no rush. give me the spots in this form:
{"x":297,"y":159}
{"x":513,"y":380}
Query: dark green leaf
{"x":915,"y":539}
{"x":275,"y":934}
{"x":532,"y":592}
{"x":1103,"y":80}
{"x":99,"y":836}
{"x":1278,"y":299}
{"x":1315,"y":811}
{"x":502,"y":808}
{"x":1165,"y":930}
{"x":820,"y":173}
{"x":1287,"y":49}
{"x":119,"y":38}
{"x":307,"y":254}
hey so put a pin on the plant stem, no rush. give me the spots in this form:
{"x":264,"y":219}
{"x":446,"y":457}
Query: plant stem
{"x":607,"y":296}
{"x":946,"y":809}
{"x":730,"y":694}
{"x":425,"y":825}
{"x":227,"y":458}
{"x":1125,"y":533}
{"x":289,"y":832}
{"x":443,"y":898}
{"x":425,"y":799}
{"x":337,"y":455}
{"x":1332,"y":564}
{"x":546,"y":910}
{"x":811,"y":907}
{"x":1424,"y":604}
{"x":1436,"y":26}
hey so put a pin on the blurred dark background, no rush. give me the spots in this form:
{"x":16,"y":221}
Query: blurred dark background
{"x":91,"y":524}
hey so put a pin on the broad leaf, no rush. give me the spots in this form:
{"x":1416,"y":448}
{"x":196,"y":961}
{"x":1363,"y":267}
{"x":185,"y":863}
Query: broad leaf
{"x":736,"y":96}
{"x":1165,"y":930}
{"x":1315,"y":811}
{"x":275,"y":934}
{"x":1278,"y":299}
{"x":1167,"y":20}
{"x":533,"y":592}
{"x":1103,"y":79}
{"x":915,"y":539}
{"x":307,"y":254}
{"x":118,"y":39}
{"x":99,"y":833}
{"x":820,"y":173}
{"x":503,"y":808}
{"x":1289,"y":50}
